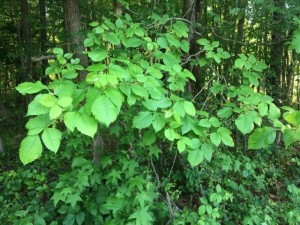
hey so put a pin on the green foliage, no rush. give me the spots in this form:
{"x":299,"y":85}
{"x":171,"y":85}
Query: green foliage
{"x":135,"y":94}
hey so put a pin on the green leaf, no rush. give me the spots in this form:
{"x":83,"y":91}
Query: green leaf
{"x":202,"y":210}
{"x":98,"y":67}
{"x":69,"y":219}
{"x":139,"y":90}
{"x":70,"y":120}
{"x":262,"y":108}
{"x":97,"y":55}
{"x":88,"y":42}
{"x":69,"y":74}
{"x":80,"y":162}
{"x":119,"y":71}
{"x":104,"y":110}
{"x":215,"y":138}
{"x":288,"y":137}
{"x":170,"y":59}
{"x":119,"y":23}
{"x":205,"y":123}
{"x":115,"y":96}
{"x":179,"y":108}
{"x":225,"y":136}
{"x":207,"y":151}
{"x":170,"y":134}
{"x":30,"y":88}
{"x":149,"y":137}
{"x":162,"y":42}
{"x":244,"y":123}
{"x":31,"y":149}
{"x":189,"y":108}
{"x":181,"y":29}
{"x":112,"y":38}
{"x":21,"y":213}
{"x":61,"y":60}
{"x":154,"y":150}
{"x":195,"y":157}
{"x":132,"y":42}
{"x":203,"y":41}
{"x":142,"y":216}
{"x":185,"y":46}
{"x":154,"y":72}
{"x":94,"y":24}
{"x":58,"y":51}
{"x":55,"y":111}
{"x":73,"y":199}
{"x":181,"y":146}
{"x":225,"y":112}
{"x":35,"y":108}
{"x":86,"y":125}
{"x":293,"y":118}
{"x":114,"y":204}
{"x":80,"y":218}
{"x":215,"y":121}
{"x":274,"y":112}
{"x":295,"y":44}
{"x":37,"y":124}
{"x":51,"y":138}
{"x":239,"y":63}
{"x":158,"y":122}
{"x":65,"y":101}
{"x":142,"y":120}
{"x":47,"y":100}
{"x":173,"y":40}
{"x":261,"y":138}
{"x":65,"y":89}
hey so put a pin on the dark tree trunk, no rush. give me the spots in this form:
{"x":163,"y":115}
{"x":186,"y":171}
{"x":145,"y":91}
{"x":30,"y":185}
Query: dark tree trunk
{"x":273,"y":80}
{"x":43,"y":31}
{"x":26,"y":41}
{"x":191,"y":10}
{"x":117,"y":8}
{"x":240,"y":28}
{"x":73,"y":29}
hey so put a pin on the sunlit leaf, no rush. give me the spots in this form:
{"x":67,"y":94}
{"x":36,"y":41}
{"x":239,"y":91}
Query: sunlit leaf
{"x":261,"y":138}
{"x":51,"y":138}
{"x":31,"y":149}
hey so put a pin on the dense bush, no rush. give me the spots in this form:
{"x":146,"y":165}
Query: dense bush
{"x":134,"y":146}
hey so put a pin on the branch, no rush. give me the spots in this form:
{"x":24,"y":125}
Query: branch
{"x":169,"y":208}
{"x":42,"y":58}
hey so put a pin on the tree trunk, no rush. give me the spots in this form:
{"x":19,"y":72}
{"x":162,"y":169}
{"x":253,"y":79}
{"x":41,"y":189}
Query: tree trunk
{"x":43,"y":31}
{"x":117,"y":8}
{"x":26,"y":41}
{"x":73,"y":29}
{"x":273,"y":80}
{"x":191,"y":10}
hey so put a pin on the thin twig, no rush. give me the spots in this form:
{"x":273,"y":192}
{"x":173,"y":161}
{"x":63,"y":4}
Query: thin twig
{"x":174,"y":160}
{"x":203,"y":88}
{"x":205,"y":100}
{"x":169,"y":208}
{"x":156,"y":174}
{"x":190,"y":56}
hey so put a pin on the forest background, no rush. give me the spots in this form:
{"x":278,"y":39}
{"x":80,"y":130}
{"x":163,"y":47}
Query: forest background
{"x":149,"y":112}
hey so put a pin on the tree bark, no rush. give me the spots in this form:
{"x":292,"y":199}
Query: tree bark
{"x":73,"y":29}
{"x":43,"y":31}
{"x":191,"y":10}
{"x":273,"y":80}
{"x":117,"y":8}
{"x":26,"y":41}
